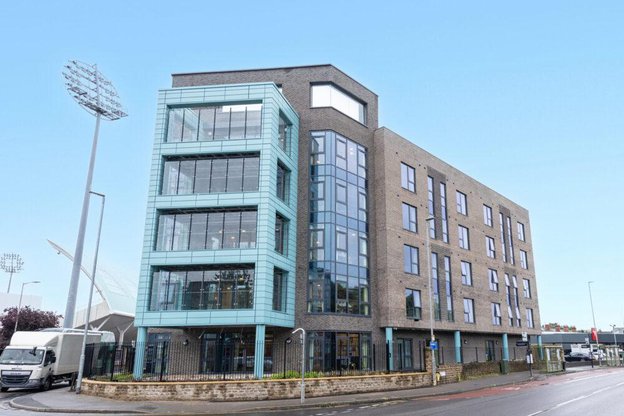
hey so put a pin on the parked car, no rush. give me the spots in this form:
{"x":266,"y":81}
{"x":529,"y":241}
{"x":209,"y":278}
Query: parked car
{"x":577,"y":356}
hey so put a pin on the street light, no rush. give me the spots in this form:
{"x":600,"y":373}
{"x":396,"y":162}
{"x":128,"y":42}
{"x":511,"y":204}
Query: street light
{"x":11,"y":263}
{"x":88,"y":315}
{"x":429,"y":278}
{"x":591,"y":302}
{"x":97,"y":96}
{"x":303,"y":340}
{"x":20,"y":303}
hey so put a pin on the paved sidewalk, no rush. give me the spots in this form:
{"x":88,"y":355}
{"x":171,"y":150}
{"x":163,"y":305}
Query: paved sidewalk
{"x":61,"y":400}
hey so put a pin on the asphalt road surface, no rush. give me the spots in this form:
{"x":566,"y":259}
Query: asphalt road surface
{"x":584,"y":393}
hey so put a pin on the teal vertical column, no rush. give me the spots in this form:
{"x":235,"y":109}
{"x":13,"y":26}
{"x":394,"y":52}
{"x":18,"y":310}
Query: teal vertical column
{"x":259,"y":354}
{"x":458,"y":344}
{"x":389,"y":349}
{"x":539,"y":347}
{"x":505,"y":348}
{"x":139,"y":355}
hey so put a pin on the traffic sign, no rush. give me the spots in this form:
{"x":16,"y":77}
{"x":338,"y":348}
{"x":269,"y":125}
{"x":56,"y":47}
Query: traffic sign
{"x":525,"y":336}
{"x":522,"y":343}
{"x":433,"y":345}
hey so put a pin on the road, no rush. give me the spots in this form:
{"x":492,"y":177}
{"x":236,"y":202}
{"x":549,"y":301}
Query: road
{"x":582,"y":393}
{"x":5,"y":398}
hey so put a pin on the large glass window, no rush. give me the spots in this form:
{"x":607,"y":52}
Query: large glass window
{"x":409,"y":217}
{"x":211,"y":175}
{"x":228,"y":122}
{"x":210,"y":230}
{"x":510,"y":241}
{"x":338,"y":275}
{"x":413,"y":308}
{"x":443,"y":213}
{"x":328,"y":95}
{"x":199,"y":288}
{"x":529,"y":317}
{"x":339,"y":351}
{"x":410,"y":259}
{"x":502,"y":236}
{"x":408,"y":177}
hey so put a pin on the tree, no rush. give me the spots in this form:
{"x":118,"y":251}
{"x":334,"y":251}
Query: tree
{"x":29,"y":320}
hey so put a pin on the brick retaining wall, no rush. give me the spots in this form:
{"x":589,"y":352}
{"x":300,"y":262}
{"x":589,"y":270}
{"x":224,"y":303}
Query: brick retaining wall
{"x":253,"y":389}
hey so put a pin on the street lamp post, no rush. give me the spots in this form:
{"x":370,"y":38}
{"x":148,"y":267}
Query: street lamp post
{"x":11,"y":263}
{"x":97,"y":96}
{"x":428,"y":255}
{"x":617,"y":349}
{"x":19,"y":307}
{"x":591,"y":302}
{"x":303,"y":340}
{"x":88,"y":315}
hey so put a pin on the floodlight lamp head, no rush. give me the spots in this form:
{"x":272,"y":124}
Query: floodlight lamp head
{"x":92,"y":91}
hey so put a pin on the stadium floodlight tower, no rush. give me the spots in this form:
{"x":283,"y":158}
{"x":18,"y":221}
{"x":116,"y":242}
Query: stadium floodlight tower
{"x":97,"y":96}
{"x":11,"y":263}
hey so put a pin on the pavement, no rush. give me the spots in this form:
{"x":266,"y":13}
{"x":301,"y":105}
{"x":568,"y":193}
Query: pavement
{"x":62,"y":400}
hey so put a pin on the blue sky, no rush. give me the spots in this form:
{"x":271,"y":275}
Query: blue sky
{"x":527,"y":98}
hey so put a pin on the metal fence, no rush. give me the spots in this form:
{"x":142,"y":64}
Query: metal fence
{"x":184,"y":361}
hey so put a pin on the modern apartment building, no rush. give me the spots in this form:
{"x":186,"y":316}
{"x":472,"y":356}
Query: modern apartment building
{"x":276,"y":202}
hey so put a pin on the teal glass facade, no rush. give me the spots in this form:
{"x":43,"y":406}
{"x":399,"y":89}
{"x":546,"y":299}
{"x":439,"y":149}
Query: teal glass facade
{"x":223,"y":169}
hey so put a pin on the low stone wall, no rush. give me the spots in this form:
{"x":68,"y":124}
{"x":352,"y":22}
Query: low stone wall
{"x":254,"y":389}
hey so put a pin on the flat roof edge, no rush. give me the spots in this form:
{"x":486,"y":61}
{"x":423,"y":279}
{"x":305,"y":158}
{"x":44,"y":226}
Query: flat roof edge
{"x":275,"y":68}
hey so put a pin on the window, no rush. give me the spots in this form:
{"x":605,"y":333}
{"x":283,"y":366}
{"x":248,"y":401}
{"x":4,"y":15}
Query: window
{"x":496,"y":314}
{"x":516,"y":300}
{"x":281,"y":234}
{"x":206,"y":230}
{"x":431,"y":207}
{"x":490,"y":248}
{"x":206,"y":123}
{"x":508,"y":298}
{"x":279,"y":290}
{"x":466,"y":271}
{"x":435,"y":286}
{"x":283,"y":179}
{"x":284,"y":134}
{"x":210,"y":175}
{"x":328,"y":95}
{"x":404,"y":354}
{"x":493,"y":279}
{"x":462,"y":204}
{"x":526,"y":288}
{"x":202,"y":288}
{"x":502,"y":237}
{"x":410,"y":259}
{"x":524,"y":263}
{"x":529,"y":318}
{"x":521,"y":235}
{"x":443,"y":213}
{"x":409,"y":217}
{"x":413,"y":307}
{"x":450,"y":315}
{"x":464,"y":241}
{"x":408,"y":177}
{"x":487,"y":216}
{"x":510,"y":240}
{"x":469,"y":316}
